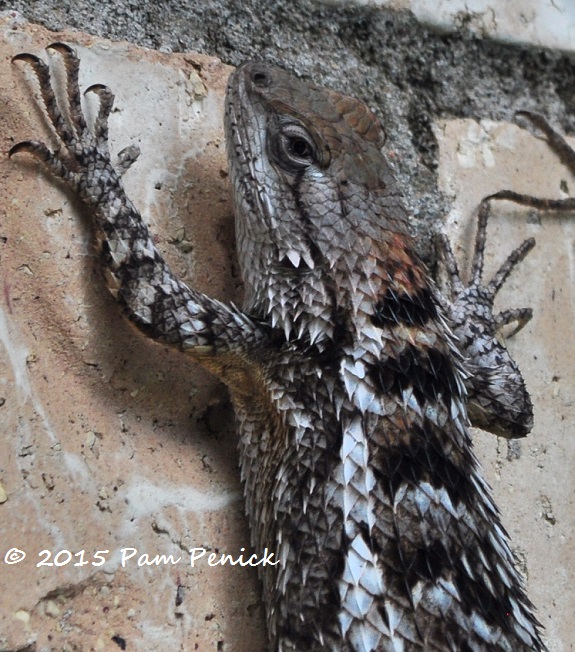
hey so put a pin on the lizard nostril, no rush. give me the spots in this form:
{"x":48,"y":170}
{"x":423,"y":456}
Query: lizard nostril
{"x":260,"y":78}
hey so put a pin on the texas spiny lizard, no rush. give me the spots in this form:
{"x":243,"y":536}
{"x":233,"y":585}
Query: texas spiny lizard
{"x":350,"y":388}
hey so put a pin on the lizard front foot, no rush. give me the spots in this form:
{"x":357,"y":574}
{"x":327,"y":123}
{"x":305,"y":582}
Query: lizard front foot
{"x":498,"y":400}
{"x":84,"y":161}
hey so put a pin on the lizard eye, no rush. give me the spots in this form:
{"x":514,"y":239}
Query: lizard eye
{"x":295,"y":148}
{"x":299,"y":147}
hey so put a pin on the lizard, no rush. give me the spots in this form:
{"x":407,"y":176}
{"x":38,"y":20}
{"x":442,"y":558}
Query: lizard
{"x":351,"y":375}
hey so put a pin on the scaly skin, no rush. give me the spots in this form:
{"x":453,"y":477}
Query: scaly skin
{"x":349,"y":389}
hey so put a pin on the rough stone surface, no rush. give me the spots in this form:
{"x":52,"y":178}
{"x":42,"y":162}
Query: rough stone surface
{"x":548,"y":23}
{"x":110,"y":441}
{"x":113,"y":442}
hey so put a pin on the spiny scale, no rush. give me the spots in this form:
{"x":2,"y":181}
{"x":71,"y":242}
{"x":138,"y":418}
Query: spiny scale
{"x":348,"y":386}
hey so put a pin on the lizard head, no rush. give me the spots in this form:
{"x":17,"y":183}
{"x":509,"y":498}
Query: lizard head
{"x":319,"y":217}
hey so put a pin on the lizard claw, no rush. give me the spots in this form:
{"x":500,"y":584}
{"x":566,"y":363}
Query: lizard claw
{"x":32,"y":59}
{"x":63,"y":48}
{"x":30,"y":146}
